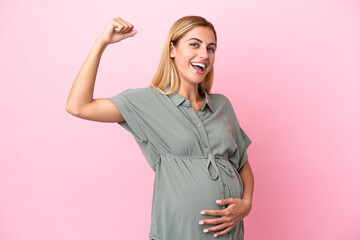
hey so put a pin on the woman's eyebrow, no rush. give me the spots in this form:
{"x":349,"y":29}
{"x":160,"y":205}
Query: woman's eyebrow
{"x":201,"y":41}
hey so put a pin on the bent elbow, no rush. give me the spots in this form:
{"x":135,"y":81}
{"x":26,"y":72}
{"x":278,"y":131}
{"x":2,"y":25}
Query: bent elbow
{"x":71,"y":110}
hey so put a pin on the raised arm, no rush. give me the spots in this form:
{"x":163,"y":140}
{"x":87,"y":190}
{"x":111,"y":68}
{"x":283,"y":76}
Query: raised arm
{"x":80,"y":102}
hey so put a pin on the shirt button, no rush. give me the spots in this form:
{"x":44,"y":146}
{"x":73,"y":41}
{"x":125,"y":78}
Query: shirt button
{"x":199,"y":125}
{"x":205,"y":145}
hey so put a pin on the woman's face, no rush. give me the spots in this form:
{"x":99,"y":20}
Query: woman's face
{"x":194,"y":54}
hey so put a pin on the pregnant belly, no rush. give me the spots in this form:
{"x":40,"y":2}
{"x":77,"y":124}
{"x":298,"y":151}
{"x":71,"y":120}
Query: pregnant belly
{"x":186,"y":185}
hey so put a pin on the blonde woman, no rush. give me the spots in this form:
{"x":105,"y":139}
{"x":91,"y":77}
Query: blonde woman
{"x":190,"y":137}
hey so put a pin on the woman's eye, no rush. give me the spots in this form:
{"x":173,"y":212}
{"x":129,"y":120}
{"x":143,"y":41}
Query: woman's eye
{"x":211,"y":49}
{"x":194,"y":44}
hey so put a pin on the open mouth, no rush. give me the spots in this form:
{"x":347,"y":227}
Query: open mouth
{"x":199,"y":67}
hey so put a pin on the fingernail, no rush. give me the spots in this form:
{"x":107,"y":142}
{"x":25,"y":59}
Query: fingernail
{"x":205,"y":230}
{"x":215,"y":235}
{"x":201,"y":222}
{"x":202,"y":212}
{"x":218,"y":201}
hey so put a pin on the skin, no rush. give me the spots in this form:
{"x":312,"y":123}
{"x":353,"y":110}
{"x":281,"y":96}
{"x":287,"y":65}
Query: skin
{"x":199,"y":45}
{"x":81,"y":103}
{"x":188,"y":50}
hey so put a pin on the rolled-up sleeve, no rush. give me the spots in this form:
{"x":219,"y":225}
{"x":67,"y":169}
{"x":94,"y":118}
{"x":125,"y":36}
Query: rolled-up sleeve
{"x":241,"y":138}
{"x":128,"y":103}
{"x":247,"y":141}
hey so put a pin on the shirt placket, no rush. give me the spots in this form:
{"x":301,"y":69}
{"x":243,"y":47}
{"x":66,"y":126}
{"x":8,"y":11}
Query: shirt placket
{"x":198,"y":120}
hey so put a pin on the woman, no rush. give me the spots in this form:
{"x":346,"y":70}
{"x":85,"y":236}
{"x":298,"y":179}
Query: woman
{"x":191,"y":138}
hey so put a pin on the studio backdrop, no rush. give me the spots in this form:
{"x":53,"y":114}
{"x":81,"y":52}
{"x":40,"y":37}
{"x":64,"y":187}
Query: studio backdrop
{"x":290,"y":68}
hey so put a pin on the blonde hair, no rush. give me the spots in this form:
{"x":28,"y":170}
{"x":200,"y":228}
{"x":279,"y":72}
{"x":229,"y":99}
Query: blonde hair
{"x":166,"y":73}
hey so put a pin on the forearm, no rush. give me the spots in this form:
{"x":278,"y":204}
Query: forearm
{"x":248,"y":181}
{"x":83,"y":87}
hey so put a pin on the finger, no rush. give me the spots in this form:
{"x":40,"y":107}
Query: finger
{"x":129,"y":25}
{"x":225,"y":231}
{"x":225,"y":201}
{"x":213,"y":221}
{"x":127,"y":22}
{"x":213,"y":212}
{"x":121,"y":22}
{"x":125,"y":28}
{"x":216,"y":228}
{"x":130,"y":34}
{"x":118,"y":27}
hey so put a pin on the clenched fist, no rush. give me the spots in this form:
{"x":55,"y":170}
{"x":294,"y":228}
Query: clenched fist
{"x":117,"y":30}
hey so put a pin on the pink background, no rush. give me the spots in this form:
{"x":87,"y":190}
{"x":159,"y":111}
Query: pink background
{"x":290,"y":68}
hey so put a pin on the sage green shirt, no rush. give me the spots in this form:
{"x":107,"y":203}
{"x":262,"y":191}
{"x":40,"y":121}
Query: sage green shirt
{"x":196,"y":158}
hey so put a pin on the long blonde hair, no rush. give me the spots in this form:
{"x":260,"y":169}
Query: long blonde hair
{"x":166,"y":73}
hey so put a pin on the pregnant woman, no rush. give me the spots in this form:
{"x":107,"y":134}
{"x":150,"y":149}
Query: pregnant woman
{"x":190,"y":137}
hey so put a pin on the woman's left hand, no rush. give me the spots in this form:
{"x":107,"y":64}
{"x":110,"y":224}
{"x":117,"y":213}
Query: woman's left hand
{"x":237,"y":209}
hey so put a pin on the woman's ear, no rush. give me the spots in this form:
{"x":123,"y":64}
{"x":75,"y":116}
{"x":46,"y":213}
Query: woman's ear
{"x":172,"y":50}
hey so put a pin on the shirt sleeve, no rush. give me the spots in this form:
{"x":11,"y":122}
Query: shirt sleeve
{"x":247,"y":141}
{"x":128,"y":102}
{"x":242,"y":140}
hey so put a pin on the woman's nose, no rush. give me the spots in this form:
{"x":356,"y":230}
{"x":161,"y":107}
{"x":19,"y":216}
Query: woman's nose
{"x":203,"y":52}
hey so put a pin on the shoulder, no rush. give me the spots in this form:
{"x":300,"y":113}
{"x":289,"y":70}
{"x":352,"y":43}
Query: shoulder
{"x":218,"y":97}
{"x":136,"y":94}
{"x":219,"y":100}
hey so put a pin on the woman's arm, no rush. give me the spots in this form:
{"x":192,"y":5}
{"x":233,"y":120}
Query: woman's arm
{"x":247,"y":177}
{"x":80,"y":102}
{"x":82,"y":89}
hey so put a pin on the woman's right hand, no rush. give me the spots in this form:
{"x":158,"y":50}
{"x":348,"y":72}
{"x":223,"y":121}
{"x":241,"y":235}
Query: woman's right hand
{"x":117,"y":29}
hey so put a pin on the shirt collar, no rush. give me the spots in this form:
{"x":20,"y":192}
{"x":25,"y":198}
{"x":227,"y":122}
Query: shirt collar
{"x":178,"y":99}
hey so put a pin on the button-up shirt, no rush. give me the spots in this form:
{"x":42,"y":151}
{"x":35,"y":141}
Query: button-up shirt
{"x":196,"y":156}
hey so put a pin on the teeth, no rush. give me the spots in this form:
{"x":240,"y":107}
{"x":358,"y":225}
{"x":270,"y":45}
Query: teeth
{"x":199,"y":64}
